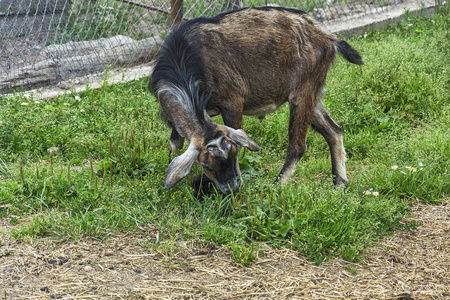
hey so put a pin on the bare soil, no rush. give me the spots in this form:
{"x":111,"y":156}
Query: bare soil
{"x":411,"y":264}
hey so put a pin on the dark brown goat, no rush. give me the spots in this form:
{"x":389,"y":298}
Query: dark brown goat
{"x":246,"y":62}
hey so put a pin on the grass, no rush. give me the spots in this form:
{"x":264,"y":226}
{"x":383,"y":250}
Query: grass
{"x":94,"y":163}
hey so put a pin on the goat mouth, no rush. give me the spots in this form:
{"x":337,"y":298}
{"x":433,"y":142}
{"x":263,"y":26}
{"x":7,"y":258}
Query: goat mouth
{"x":230,"y":187}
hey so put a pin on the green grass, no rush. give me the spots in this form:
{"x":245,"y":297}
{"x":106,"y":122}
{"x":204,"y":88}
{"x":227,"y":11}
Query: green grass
{"x":108,"y":169}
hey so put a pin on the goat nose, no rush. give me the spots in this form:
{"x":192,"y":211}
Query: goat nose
{"x":233,"y":185}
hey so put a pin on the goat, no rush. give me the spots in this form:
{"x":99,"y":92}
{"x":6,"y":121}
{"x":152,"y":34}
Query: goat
{"x":246,"y":62}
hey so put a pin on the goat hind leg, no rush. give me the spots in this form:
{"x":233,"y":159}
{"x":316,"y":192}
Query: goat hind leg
{"x":325,"y":125}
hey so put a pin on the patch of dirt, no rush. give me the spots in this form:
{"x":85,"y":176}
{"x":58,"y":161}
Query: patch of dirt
{"x":412,"y":264}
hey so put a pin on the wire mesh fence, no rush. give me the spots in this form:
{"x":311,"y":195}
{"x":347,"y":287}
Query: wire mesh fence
{"x":45,"y":42}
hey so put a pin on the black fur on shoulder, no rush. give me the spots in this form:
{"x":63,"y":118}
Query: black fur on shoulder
{"x":181,"y":64}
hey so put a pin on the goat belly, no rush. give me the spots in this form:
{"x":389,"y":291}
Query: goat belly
{"x":260,"y":111}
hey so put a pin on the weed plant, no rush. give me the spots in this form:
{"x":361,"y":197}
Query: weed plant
{"x":93,"y":163}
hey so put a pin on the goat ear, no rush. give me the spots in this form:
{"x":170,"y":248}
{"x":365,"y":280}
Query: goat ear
{"x":242,"y":139}
{"x":180,"y":167}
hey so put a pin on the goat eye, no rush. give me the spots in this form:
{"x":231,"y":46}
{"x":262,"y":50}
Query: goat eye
{"x":226,"y":144}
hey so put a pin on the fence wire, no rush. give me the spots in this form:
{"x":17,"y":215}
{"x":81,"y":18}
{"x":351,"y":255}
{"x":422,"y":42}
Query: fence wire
{"x":46,"y":42}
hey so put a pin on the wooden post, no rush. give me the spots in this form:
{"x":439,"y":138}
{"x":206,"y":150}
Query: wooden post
{"x":176,"y":12}
{"x":233,"y":4}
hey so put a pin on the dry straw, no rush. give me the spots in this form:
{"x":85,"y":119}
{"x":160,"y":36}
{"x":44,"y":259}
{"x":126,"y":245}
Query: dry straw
{"x":408,"y":265}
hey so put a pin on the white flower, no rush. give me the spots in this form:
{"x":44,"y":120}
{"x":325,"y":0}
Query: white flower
{"x":367,"y":193}
{"x":52,"y":149}
{"x":66,"y":104}
{"x":394,"y":167}
{"x":376,"y":194}
{"x":413,"y":169}
{"x":77,"y":98}
{"x":81,"y":110}
{"x":403,"y":172}
{"x":24,"y":104}
{"x":408,"y":167}
{"x":26,"y":96}
{"x":420,"y":164}
{"x":37,"y":102}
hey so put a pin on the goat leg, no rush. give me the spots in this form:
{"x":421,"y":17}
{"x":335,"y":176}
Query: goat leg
{"x":176,"y":143}
{"x":299,"y":121}
{"x":325,"y":125}
{"x":232,"y":114}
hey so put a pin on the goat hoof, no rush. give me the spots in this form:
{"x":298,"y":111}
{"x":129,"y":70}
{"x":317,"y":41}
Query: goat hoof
{"x":340,"y":183}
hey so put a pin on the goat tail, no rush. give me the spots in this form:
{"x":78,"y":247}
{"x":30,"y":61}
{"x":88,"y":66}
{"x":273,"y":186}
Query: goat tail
{"x":348,"y":52}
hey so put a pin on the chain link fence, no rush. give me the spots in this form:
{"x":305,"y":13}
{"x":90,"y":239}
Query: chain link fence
{"x":45,"y":42}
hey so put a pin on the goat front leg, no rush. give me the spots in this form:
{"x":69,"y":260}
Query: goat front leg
{"x":232,"y":114}
{"x":325,"y":125}
{"x":176,"y":143}
{"x":299,"y":121}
